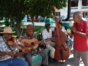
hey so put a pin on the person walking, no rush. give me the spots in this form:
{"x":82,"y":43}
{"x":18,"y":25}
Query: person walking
{"x":80,"y":33}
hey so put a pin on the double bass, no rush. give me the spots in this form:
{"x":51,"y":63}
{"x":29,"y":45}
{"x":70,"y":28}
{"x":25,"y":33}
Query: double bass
{"x":62,"y":51}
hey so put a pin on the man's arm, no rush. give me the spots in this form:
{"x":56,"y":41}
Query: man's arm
{"x":12,"y":54}
{"x":21,"y":53}
{"x":85,"y":33}
{"x":82,"y":34}
{"x":3,"y":53}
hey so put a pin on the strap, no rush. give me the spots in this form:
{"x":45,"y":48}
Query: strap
{"x":7,"y":43}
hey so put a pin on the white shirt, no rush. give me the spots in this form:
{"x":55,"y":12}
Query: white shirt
{"x":46,"y":34}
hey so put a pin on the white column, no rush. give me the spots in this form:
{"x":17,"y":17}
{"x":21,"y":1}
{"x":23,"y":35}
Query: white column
{"x":79,"y":5}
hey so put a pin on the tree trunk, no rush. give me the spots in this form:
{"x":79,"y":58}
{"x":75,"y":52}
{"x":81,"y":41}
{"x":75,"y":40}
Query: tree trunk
{"x":18,"y":28}
{"x":11,"y":21}
{"x":16,"y":24}
{"x":32,"y":21}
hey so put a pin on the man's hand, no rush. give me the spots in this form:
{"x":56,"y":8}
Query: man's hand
{"x":74,"y":29}
{"x":26,"y":50}
{"x":12,"y":54}
{"x":26,"y":44}
{"x":54,"y":38}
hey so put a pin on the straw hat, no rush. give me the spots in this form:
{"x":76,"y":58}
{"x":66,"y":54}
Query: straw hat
{"x":7,"y":30}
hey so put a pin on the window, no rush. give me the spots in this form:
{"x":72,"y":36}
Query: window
{"x":85,"y":2}
{"x":85,"y":14}
{"x":58,"y":14}
{"x":74,"y":3}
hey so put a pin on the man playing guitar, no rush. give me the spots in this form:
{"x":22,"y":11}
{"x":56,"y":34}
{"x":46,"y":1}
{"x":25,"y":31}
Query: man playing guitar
{"x":30,"y":35}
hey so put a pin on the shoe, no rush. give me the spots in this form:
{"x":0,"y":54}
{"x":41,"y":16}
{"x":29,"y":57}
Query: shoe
{"x":61,"y":61}
{"x":51,"y":60}
{"x":55,"y":60}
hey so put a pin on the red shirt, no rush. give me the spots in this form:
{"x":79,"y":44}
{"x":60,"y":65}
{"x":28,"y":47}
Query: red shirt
{"x":80,"y":42}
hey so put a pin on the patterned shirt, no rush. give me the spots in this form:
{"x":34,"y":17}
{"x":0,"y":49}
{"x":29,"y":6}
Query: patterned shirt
{"x":5,"y":48}
{"x":27,"y":37}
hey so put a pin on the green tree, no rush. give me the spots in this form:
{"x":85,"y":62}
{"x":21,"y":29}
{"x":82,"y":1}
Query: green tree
{"x":15,"y":10}
{"x":43,"y":7}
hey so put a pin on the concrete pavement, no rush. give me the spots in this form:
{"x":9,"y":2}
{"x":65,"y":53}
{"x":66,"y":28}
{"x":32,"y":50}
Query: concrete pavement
{"x":69,"y":62}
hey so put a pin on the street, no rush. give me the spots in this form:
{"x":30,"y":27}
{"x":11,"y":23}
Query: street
{"x":69,"y":62}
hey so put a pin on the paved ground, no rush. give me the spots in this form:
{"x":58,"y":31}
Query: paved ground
{"x":69,"y":62}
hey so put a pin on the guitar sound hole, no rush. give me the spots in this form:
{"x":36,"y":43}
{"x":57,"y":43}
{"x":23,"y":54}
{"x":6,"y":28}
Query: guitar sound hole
{"x":32,"y":44}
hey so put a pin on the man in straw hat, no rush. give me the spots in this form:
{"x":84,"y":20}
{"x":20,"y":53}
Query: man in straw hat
{"x":30,"y":35}
{"x":8,"y":54}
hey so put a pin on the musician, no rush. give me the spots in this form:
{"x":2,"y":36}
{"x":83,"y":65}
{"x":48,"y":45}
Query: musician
{"x":8,"y":54}
{"x":60,"y":43}
{"x":61,"y":26}
{"x":80,"y":33}
{"x":47,"y":33}
{"x":30,"y":35}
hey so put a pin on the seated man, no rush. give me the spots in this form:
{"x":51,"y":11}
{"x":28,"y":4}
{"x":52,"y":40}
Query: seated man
{"x":47,"y":33}
{"x":30,"y":35}
{"x":8,"y":54}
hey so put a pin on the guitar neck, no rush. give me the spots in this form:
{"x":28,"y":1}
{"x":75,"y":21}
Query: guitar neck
{"x":45,"y":40}
{"x":39,"y":42}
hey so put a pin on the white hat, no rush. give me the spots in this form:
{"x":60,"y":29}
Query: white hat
{"x":7,"y":30}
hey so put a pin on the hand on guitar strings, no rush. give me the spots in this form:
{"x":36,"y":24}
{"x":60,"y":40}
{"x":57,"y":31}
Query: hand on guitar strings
{"x":42,"y":43}
{"x":12,"y":54}
{"x":54,"y":38}
{"x":26,"y":44}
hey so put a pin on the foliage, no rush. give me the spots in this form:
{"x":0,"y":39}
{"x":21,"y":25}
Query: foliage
{"x":7,"y":22}
{"x":15,"y":10}
{"x":43,"y":7}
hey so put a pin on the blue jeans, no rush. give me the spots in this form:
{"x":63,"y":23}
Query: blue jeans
{"x":14,"y":62}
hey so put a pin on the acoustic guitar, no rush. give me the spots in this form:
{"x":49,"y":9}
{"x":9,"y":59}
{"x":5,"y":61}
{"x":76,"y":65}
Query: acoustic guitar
{"x":28,"y":44}
{"x":34,"y":43}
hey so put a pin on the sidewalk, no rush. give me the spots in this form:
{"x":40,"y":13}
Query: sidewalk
{"x":69,"y":62}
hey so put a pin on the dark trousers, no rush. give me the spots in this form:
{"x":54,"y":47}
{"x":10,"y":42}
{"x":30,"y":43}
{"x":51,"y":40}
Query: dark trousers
{"x":42,"y":52}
